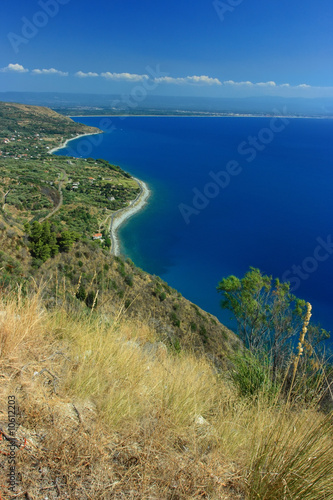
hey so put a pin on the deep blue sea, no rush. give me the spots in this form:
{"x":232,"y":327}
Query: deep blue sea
{"x":254,"y":192}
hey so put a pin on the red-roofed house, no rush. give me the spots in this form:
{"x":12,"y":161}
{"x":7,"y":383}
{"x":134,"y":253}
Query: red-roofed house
{"x":97,"y":236}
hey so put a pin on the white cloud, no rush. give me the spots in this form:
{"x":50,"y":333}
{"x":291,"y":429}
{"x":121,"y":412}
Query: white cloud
{"x":269,"y":84}
{"x":231,"y":82}
{"x":81,"y":74}
{"x":130,"y":77}
{"x":266,"y":84}
{"x":203,"y":80}
{"x":250,"y":84}
{"x":50,"y":71}
{"x":14,"y":68}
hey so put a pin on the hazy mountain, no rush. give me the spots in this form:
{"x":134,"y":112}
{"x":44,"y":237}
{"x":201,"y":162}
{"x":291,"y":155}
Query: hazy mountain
{"x":95,"y":103}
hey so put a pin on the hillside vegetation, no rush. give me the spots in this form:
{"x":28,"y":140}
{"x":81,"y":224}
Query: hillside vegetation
{"x":107,"y":412}
{"x":122,"y":387}
{"x":72,"y":193}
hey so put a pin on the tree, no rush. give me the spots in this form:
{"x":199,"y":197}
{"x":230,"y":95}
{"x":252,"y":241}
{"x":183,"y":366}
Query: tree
{"x":27,"y":228}
{"x":269,"y":318}
{"x":54,"y":247}
{"x":43,"y":240}
{"x":36,"y":231}
{"x":46,"y":232}
{"x":67,"y":239}
{"x":45,"y":252}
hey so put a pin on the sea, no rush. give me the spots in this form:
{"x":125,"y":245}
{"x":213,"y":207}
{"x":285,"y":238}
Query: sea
{"x":227,"y":193}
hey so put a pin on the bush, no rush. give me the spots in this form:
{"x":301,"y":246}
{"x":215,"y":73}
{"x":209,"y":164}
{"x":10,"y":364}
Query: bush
{"x":193,"y":327}
{"x":129,"y":280}
{"x":90,"y":299}
{"x":203,"y":334}
{"x":81,"y":294}
{"x":176,"y":346}
{"x":252,"y":375}
{"x":175,"y":320}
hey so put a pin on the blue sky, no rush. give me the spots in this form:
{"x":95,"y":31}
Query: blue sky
{"x":180,"y":47}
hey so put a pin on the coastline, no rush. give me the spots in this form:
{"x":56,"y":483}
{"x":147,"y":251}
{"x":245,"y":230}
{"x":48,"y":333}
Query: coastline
{"x":203,"y":116}
{"x":53,"y":150}
{"x":122,"y":215}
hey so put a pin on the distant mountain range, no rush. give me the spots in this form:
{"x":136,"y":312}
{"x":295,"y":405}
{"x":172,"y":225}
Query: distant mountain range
{"x":87,"y":104}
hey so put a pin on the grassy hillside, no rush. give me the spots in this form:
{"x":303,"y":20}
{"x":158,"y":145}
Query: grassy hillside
{"x":107,"y":412}
{"x":23,"y":123}
{"x":119,"y":285}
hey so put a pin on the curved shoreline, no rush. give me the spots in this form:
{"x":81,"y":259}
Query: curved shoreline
{"x":120,"y":216}
{"x":64,"y":145}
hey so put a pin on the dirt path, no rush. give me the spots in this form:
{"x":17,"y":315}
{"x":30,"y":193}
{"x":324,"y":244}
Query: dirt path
{"x":61,"y":199}
{"x":4,"y":199}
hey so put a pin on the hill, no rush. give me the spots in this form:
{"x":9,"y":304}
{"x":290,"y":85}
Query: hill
{"x":74,"y":194}
{"x":113,"y":385}
{"x":34,"y":185}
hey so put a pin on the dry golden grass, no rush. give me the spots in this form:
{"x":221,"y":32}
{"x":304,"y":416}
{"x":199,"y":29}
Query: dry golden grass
{"x":104,"y":419}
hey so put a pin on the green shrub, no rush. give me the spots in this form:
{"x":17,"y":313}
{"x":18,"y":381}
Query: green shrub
{"x":176,"y":346}
{"x":129,"y":280}
{"x":203,"y":333}
{"x":90,"y":299}
{"x":81,"y":294}
{"x":175,"y":320}
{"x":251,"y":375}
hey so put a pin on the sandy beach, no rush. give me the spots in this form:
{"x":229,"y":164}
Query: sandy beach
{"x":53,"y":150}
{"x":122,"y":215}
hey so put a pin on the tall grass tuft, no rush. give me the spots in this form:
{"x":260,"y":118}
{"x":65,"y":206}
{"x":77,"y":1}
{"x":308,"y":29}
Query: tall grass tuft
{"x":293,"y":458}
